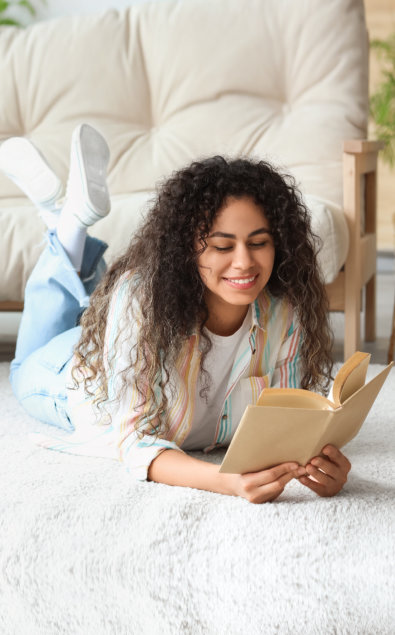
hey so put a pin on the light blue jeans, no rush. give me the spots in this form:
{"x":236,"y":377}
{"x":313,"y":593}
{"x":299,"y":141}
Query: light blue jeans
{"x":55,"y":298}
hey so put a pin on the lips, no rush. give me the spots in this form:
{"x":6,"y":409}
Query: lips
{"x":242,"y":283}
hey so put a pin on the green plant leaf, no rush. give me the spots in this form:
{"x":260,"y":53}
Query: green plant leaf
{"x":28,"y":5}
{"x":382,"y":102}
{"x":9,"y":4}
{"x":8,"y":22}
{"x":380,"y":45}
{"x":385,"y":50}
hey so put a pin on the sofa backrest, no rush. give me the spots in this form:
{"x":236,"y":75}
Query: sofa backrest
{"x":167,"y":82}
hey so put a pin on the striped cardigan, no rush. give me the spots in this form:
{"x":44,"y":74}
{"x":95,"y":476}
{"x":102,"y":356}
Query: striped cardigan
{"x":267,"y":356}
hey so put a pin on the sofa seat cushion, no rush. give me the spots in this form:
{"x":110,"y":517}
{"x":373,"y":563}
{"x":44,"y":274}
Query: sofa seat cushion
{"x":22,"y":233}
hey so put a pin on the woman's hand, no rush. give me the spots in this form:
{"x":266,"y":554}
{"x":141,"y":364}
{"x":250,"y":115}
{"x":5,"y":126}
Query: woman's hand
{"x":326,"y":476}
{"x":266,"y":485}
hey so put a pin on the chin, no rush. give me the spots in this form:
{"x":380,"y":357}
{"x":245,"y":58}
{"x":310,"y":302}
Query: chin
{"x":244,"y":301}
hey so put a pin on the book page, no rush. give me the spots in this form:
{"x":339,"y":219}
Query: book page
{"x":346,"y":421}
{"x":351,"y":377}
{"x":294,"y":398}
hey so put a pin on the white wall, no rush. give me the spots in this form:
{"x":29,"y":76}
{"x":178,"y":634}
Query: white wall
{"x":47,"y":9}
{"x":57,"y":8}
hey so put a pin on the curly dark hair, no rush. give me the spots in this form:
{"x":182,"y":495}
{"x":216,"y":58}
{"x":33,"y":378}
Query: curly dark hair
{"x":170,"y":291}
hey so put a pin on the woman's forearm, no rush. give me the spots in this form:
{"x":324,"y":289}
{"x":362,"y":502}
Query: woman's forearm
{"x":176,"y":468}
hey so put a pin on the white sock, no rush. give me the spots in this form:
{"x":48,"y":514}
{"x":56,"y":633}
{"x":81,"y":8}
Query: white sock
{"x":71,"y":234}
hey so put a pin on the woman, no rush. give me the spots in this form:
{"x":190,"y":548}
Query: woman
{"x":217,"y":296}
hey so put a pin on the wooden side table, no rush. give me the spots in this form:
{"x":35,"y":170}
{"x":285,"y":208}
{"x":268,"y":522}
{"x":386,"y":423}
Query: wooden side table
{"x":391,"y":348}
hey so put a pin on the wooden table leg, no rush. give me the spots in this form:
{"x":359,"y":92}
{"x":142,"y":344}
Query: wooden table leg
{"x":391,"y":347}
{"x":392,"y":339}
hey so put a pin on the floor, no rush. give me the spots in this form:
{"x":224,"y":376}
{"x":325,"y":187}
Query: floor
{"x":9,"y":322}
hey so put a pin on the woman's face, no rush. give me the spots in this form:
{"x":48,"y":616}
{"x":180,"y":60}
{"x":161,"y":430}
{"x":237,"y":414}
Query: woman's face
{"x":238,"y":260}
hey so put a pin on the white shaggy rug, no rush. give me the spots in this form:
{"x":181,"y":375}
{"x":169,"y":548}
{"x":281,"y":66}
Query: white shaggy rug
{"x":85,"y":551}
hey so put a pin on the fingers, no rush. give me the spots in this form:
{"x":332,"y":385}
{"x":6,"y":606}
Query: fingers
{"x":337,"y":457}
{"x":335,"y":466}
{"x":318,"y":463}
{"x":316,"y":487}
{"x":268,"y":491}
{"x":279,"y":483}
{"x":327,"y":476}
{"x":323,"y":480}
{"x":322,"y":477}
{"x":273,"y":474}
{"x":266,"y":485}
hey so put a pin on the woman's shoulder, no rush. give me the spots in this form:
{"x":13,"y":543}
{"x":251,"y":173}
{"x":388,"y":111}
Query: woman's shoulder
{"x":124,"y":312}
{"x":124,"y":287}
{"x":127,"y":280}
{"x":270,"y":309}
{"x":124,"y":300}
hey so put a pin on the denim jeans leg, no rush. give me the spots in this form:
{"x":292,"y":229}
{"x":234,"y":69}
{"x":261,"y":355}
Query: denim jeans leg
{"x":55,"y":296}
{"x":40,"y":381}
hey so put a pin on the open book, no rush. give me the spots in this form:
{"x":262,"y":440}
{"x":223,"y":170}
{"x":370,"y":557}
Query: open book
{"x":292,"y":424}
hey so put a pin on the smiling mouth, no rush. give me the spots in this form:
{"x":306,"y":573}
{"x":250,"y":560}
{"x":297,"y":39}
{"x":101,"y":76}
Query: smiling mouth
{"x":242,"y":283}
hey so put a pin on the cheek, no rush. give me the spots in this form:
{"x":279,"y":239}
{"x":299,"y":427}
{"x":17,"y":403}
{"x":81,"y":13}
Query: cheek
{"x":269,"y":259}
{"x":208,"y":264}
{"x":204,"y":268}
{"x":203,"y":274}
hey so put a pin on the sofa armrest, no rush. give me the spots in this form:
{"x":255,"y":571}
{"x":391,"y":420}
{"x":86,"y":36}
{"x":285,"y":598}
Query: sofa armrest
{"x":362,"y":146}
{"x":359,"y":202}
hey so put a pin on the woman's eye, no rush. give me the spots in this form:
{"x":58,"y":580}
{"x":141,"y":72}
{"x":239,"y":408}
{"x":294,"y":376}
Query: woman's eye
{"x":251,"y":245}
{"x":262,"y":244}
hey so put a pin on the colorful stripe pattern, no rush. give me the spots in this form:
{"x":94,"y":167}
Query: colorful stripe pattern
{"x":268,"y":356}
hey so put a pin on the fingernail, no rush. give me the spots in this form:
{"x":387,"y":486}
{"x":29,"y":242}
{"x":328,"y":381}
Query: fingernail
{"x":301,"y":471}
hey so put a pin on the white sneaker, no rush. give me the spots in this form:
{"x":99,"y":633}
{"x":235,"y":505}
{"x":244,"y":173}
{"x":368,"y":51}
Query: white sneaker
{"x":87,"y":193}
{"x":24,"y":164}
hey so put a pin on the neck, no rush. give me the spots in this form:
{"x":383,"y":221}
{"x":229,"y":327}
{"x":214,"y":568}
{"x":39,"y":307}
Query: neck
{"x":227,"y":322}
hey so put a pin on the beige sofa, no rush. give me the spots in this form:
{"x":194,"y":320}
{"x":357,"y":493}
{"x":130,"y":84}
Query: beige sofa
{"x":167,"y":82}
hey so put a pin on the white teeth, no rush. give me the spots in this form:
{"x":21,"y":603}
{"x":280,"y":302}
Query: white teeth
{"x":242,"y":281}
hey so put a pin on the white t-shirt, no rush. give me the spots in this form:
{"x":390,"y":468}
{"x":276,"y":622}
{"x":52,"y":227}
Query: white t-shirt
{"x":219,"y":362}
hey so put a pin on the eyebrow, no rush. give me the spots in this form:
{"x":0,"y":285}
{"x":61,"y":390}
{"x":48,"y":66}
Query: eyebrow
{"x":262,"y":230}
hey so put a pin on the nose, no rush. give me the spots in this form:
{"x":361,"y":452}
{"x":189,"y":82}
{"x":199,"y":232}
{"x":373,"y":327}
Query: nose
{"x":242,"y":258}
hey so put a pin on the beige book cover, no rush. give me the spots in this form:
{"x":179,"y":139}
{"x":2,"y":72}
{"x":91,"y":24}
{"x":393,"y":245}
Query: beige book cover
{"x":292,"y":424}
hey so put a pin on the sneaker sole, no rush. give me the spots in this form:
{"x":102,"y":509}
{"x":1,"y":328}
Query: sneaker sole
{"x":24,"y":164}
{"x":93,"y":156}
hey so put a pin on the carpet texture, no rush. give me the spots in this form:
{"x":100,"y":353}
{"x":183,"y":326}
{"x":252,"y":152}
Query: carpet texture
{"x":85,"y":551}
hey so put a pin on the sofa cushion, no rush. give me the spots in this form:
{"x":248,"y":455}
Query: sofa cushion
{"x":329,"y":225}
{"x":20,"y":225}
{"x":168,"y":82}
